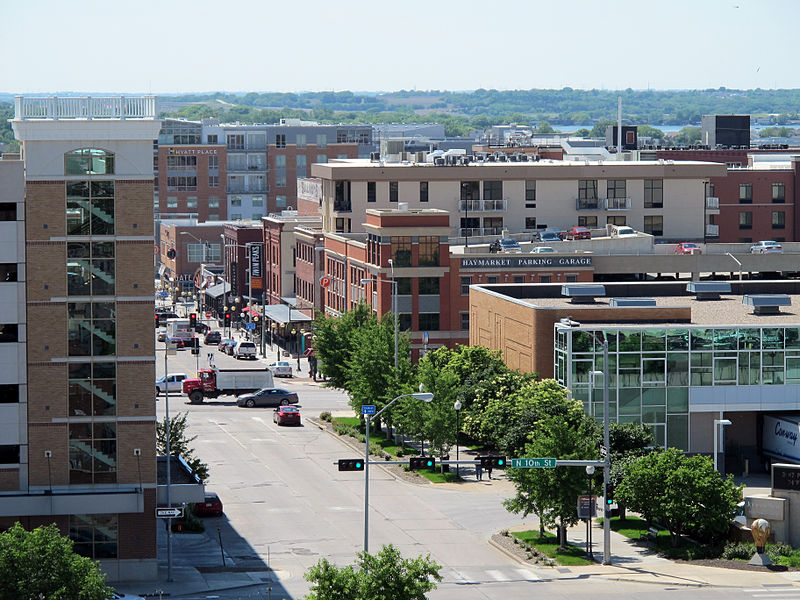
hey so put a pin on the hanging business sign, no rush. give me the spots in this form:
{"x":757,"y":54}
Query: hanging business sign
{"x":256,"y":266}
{"x":521,"y":262}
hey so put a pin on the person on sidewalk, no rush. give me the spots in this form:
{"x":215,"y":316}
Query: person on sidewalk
{"x":489,"y":471}
{"x":478,"y":471}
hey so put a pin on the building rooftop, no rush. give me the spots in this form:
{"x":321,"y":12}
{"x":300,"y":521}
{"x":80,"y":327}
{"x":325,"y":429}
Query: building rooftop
{"x":85,"y":107}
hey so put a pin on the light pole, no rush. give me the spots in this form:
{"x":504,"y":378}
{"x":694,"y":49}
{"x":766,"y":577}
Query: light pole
{"x":718,"y":425}
{"x":457,"y":406}
{"x":589,"y":474}
{"x":607,"y":458}
{"x":425,"y":397}
{"x":394,"y":313}
{"x":168,"y":347}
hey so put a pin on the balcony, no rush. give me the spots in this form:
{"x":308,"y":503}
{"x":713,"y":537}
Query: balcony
{"x":712,"y":230}
{"x":617,"y":203}
{"x":482,"y":205}
{"x":243,"y":189}
{"x":586,"y":204}
{"x":479,"y":231}
{"x":712,"y":205}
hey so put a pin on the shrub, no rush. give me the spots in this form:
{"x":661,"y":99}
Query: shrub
{"x":326,"y":416}
{"x":399,"y":452}
{"x":738,"y":550}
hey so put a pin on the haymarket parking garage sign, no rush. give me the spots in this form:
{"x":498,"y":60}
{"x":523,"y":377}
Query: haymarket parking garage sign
{"x":516,"y":262}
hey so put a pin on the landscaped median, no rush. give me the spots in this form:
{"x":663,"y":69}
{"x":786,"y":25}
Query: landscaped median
{"x":539,"y":549}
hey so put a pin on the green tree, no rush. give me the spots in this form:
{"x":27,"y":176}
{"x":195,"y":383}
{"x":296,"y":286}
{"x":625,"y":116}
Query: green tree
{"x":544,"y":127}
{"x":682,"y":493}
{"x":599,"y":129}
{"x":629,"y":441}
{"x":651,"y":132}
{"x":383,"y":576}
{"x":438,"y":416}
{"x":335,"y":341}
{"x":179,"y":443}
{"x":41,"y":564}
{"x":688,"y":136}
{"x":562,"y":431}
{"x":582,"y":132}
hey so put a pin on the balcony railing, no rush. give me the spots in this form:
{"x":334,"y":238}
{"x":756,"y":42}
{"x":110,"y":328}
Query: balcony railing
{"x":482,"y":205}
{"x":85,"y":107}
{"x":712,"y":230}
{"x":479,"y":231}
{"x":712,"y":202}
{"x":617,"y":203}
{"x":243,"y":189}
{"x":586,"y":204}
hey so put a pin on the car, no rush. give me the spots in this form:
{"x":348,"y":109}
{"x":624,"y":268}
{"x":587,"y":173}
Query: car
{"x":162,"y":334}
{"x":766,"y":247}
{"x":578,"y":233}
{"x":286,"y":415}
{"x":121,"y":596}
{"x":267,"y":397}
{"x":543,"y":250}
{"x":509,"y":245}
{"x":687,"y":248}
{"x":223,"y":345}
{"x":212,"y":337}
{"x":175,"y":381}
{"x":202,"y":328}
{"x":281,"y":368}
{"x":244,"y":349}
{"x":547,"y":237}
{"x":161,"y":317}
{"x":210,"y":507}
{"x":178,"y":342}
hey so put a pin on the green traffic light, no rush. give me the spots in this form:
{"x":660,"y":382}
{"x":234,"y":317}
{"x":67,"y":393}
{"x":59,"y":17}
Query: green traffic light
{"x":358,"y":465}
{"x":430,"y":463}
{"x":500,"y":462}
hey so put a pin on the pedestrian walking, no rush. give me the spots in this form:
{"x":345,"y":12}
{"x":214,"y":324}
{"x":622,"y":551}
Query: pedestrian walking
{"x":478,"y":471}
{"x":489,"y":471}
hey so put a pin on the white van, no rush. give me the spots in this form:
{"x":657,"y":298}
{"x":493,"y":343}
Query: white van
{"x":244,"y":349}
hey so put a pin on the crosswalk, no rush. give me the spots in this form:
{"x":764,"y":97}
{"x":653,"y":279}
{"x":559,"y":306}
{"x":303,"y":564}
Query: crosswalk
{"x":776,"y":592}
{"x":478,"y":575}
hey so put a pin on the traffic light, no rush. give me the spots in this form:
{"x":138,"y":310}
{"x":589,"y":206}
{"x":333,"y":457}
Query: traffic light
{"x":493,"y":462}
{"x":226,"y":320}
{"x":157,"y":321}
{"x":609,"y":495}
{"x":421,"y":462}
{"x":171,"y":253}
{"x":351,"y":464}
{"x":193,"y":320}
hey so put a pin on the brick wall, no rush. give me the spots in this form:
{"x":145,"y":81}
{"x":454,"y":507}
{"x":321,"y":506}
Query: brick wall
{"x":9,"y":480}
{"x":45,"y":207}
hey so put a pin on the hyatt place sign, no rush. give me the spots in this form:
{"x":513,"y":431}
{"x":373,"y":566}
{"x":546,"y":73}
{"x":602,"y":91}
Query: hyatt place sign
{"x":519,"y":262}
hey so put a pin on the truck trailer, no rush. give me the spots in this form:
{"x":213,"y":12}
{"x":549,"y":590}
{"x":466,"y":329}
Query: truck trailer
{"x":215,"y":382}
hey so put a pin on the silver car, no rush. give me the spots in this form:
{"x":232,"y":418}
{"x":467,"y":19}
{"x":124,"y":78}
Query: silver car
{"x":267,"y":397}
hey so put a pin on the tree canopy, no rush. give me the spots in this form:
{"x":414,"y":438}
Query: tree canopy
{"x":179,"y":443}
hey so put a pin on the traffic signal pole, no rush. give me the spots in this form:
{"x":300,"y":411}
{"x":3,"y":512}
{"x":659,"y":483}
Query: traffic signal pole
{"x":366,"y":486}
{"x":606,"y":459}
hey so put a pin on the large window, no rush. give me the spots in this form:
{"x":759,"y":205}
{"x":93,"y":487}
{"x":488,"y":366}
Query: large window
{"x":654,"y":224}
{"x":280,"y":140}
{"x":653,"y":193}
{"x":92,"y":453}
{"x":401,"y":251}
{"x":745,"y":220}
{"x":371,"y":191}
{"x":778,"y":193}
{"x":9,"y":393}
{"x":745,"y":193}
{"x":300,"y":165}
{"x":300,"y":140}
{"x":322,"y":141}
{"x":530,"y":194}
{"x":394,"y":191}
{"x":95,"y":536}
{"x":403,"y":286}
{"x":280,"y":171}
{"x":590,"y":221}
{"x":428,"y":251}
{"x":89,"y":161}
{"x":91,"y":328}
{"x":616,"y":220}
{"x":778,"y":220}
{"x":587,"y":193}
{"x":423,"y":191}
{"x":428,"y":286}
{"x":90,"y":269}
{"x":616,"y":188}
{"x":470,"y":190}
{"x":465,"y":283}
{"x":92,"y":389}
{"x":90,"y":208}
{"x":8,"y":211}
{"x":342,"y":199}
{"x":203,"y":252}
{"x":235,"y":141}
{"x":183,"y":163}
{"x":492,"y":190}
{"x":429,"y":321}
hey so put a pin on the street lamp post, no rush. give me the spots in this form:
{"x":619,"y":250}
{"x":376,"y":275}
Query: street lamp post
{"x":589,"y":552}
{"x":425,"y":397}
{"x":607,"y":458}
{"x":457,"y":406}
{"x":394,"y":309}
{"x":718,"y":425}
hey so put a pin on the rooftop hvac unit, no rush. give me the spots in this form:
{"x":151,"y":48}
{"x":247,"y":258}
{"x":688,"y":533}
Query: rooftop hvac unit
{"x":374,"y":156}
{"x":708,"y":290}
{"x":622,"y":302}
{"x":438,"y":161}
{"x":767,"y":304}
{"x":402,"y":206}
{"x":583,"y":294}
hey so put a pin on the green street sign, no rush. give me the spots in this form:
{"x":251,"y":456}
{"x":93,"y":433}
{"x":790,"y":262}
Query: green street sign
{"x":533,"y":463}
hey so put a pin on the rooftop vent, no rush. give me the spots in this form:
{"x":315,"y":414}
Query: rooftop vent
{"x":583,"y":294}
{"x":766,"y":304}
{"x":708,"y":290}
{"x":620,"y":302}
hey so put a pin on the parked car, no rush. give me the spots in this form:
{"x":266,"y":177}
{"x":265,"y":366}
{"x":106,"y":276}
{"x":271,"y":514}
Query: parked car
{"x":212,"y":337}
{"x":162,"y":334}
{"x":210,"y":507}
{"x":578,"y":233}
{"x":547,"y":237}
{"x":766,"y":247}
{"x":509,"y":245}
{"x":286,"y":415}
{"x":282,"y":368}
{"x":244,"y":349}
{"x":175,"y":381}
{"x":267,"y":397}
{"x":224,"y":344}
{"x":543,"y":250}
{"x":687,"y":248}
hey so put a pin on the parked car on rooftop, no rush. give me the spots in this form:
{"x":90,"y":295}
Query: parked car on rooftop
{"x":547,"y":237}
{"x":687,"y":248}
{"x":578,"y":233}
{"x":766,"y":247}
{"x":543,"y":250}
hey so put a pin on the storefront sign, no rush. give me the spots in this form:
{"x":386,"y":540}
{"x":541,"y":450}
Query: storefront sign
{"x":191,"y":151}
{"x":309,"y":189}
{"x":518,"y":262}
{"x":255,"y":260}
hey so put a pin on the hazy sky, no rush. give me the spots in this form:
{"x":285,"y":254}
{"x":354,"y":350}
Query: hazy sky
{"x":163,"y":46}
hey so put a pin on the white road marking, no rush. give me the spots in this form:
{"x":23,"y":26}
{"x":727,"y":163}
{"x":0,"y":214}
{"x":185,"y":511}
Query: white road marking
{"x":496,"y":575}
{"x":527,"y":575}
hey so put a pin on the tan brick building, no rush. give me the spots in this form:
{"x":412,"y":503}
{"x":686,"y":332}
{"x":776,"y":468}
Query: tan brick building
{"x":87,"y":423}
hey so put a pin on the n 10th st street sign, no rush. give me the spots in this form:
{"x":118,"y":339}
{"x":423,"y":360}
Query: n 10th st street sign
{"x":533,"y":463}
{"x":367,"y":409}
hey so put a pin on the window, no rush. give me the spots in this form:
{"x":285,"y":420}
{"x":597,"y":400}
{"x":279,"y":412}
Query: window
{"x":470,"y":190}
{"x":393,"y":191}
{"x":235,"y":142}
{"x":745,"y":220}
{"x":92,"y":389}
{"x":191,"y":202}
{"x":778,"y":220}
{"x":519,"y":279}
{"x":280,"y":171}
{"x":343,"y":225}
{"x":745,"y":193}
{"x":401,"y":251}
{"x":213,"y":181}
{"x":92,"y":453}
{"x":257,"y":201}
{"x":571,"y":278}
{"x":91,"y":328}
{"x":371,"y":191}
{"x":428,"y":251}
{"x":428,"y":286}
{"x":404,"y":321}
{"x":196,"y":253}
{"x":300,"y":140}
{"x":280,"y":140}
{"x":95,"y":536}
{"x":465,"y":321}
{"x":256,"y":161}
{"x":616,"y":220}
{"x":616,"y":188}
{"x":9,"y":393}
{"x":530,"y":194}
{"x":492,"y":190}
{"x":90,"y":269}
{"x":213,"y":162}
{"x":257,"y":141}
{"x":172,"y":202}
{"x":236,"y":201}
{"x":491,"y":279}
{"x":778,"y":193}
{"x":530,"y":222}
{"x":280,"y":201}
{"x":342,"y":199}
{"x":236,"y":216}
{"x":213,"y":202}
{"x":653,"y":193}
{"x":8,"y":211}
{"x":403,"y":286}
{"x":545,"y":278}
{"x":429,"y":321}
{"x":182,"y":163}
{"x":89,"y":161}
{"x":493,"y":225}
{"x":465,"y":283}
{"x":322,"y":158}
{"x":8,"y":272}
{"x":587,"y":193}
{"x":213,"y":216}
{"x":300,"y":165}
{"x":90,"y":208}
{"x":9,"y":454}
{"x":212,"y":139}
{"x":322,"y":141}
{"x":9,"y":332}
{"x":423,"y":191}
{"x":584,"y":221}
{"x":654,"y":224}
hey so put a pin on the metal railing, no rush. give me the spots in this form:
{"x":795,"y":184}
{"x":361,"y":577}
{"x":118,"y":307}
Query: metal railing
{"x":712,"y":230}
{"x":712,"y":202}
{"x":482,"y":205}
{"x":479,"y":231}
{"x":587,"y":204}
{"x":85,"y":107}
{"x":617,"y":203}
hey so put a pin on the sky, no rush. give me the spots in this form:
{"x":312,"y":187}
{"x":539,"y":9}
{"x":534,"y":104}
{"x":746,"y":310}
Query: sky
{"x":180,"y":46}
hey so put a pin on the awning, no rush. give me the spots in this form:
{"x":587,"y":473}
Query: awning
{"x":246,"y":309}
{"x":280,"y":314}
{"x":215,"y":291}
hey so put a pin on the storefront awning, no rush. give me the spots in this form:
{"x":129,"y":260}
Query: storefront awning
{"x":280,"y":313}
{"x":215,"y":291}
